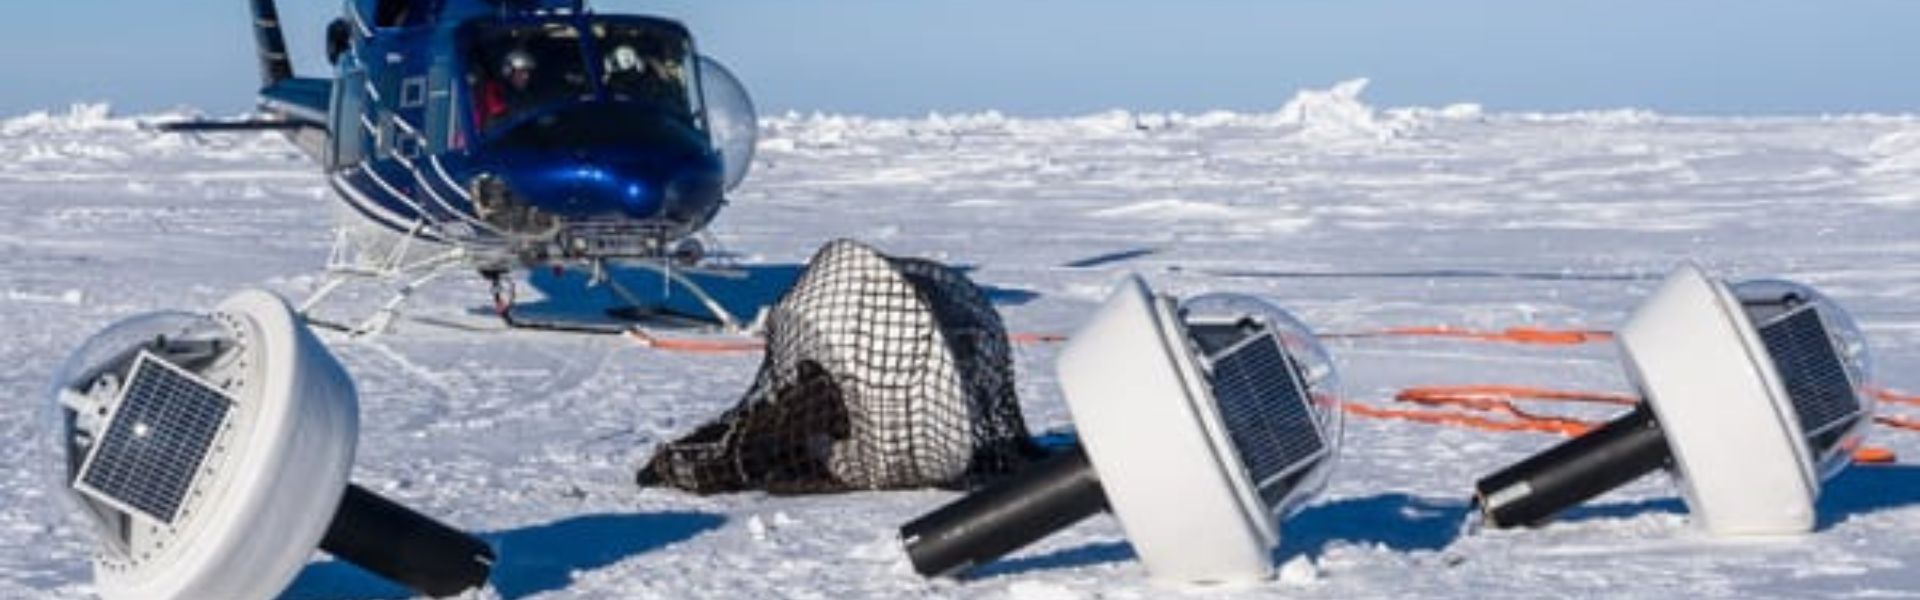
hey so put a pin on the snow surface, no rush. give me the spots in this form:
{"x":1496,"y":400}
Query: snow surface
{"x":1354,"y":217}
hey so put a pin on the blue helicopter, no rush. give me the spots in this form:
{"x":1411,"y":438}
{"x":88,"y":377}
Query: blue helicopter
{"x":499,"y":135}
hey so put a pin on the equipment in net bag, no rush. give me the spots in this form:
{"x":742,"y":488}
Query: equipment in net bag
{"x":880,"y":373}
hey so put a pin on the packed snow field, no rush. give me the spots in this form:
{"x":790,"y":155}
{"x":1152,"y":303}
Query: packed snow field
{"x":1353,"y":217}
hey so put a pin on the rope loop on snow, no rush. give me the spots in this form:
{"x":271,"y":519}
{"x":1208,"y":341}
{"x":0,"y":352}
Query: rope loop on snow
{"x":1494,"y":399}
{"x":1537,"y":336}
{"x":1476,"y":401}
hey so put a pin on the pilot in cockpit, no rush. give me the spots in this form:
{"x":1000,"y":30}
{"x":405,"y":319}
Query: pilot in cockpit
{"x":647,"y":76}
{"x":624,"y":68}
{"x":501,"y":95}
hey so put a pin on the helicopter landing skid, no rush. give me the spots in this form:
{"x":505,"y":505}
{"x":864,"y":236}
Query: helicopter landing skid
{"x":634,"y":311}
{"x":398,"y":267}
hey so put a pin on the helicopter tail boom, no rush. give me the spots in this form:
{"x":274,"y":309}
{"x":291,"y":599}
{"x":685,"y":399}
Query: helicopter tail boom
{"x":275,"y":65}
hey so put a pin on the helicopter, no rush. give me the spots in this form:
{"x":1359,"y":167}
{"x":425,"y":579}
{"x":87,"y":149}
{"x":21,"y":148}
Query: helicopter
{"x":505,"y":135}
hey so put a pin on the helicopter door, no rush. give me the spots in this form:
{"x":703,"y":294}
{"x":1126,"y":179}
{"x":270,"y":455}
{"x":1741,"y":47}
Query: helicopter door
{"x":349,"y":131}
{"x":389,"y":89}
{"x":441,"y":106}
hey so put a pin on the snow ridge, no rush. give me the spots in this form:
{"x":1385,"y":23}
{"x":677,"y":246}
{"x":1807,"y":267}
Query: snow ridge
{"x":79,"y":118}
{"x":1332,"y":116}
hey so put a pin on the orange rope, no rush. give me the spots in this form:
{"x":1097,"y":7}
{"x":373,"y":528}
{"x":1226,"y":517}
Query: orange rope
{"x":1515,"y":335}
{"x":1461,"y":393}
{"x":1898,"y":422}
{"x":1566,"y":427}
{"x":1500,"y":399}
{"x":1895,"y":421}
{"x":1892,"y":397}
{"x":1489,"y":399}
{"x":1874,"y":455}
{"x":1026,"y":338}
{"x":716,"y":345}
{"x":695,"y":345}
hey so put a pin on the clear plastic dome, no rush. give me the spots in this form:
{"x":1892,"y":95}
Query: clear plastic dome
{"x":731,"y":119}
{"x":1315,"y":368}
{"x":82,"y":394}
{"x":1769,"y":299}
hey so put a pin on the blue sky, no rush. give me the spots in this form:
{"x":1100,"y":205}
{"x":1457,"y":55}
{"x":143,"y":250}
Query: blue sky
{"x":1051,"y":57}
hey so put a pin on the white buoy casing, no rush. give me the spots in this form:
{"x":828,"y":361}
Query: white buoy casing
{"x":1752,"y":395}
{"x":209,"y":456}
{"x":1201,"y":425}
{"x":1741,"y":454}
{"x":239,"y":526}
{"x":1156,"y":434}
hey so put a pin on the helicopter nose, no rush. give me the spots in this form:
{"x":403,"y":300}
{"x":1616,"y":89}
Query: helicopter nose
{"x":602,"y":160}
{"x":602,"y":189}
{"x":577,"y":188}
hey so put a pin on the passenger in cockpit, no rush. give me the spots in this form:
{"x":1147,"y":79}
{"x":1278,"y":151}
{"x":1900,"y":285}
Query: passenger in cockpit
{"x":500,"y":96}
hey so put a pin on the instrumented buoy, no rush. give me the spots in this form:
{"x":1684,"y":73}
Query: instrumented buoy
{"x":208,"y":455}
{"x":1753,"y":394}
{"x":1201,"y":425}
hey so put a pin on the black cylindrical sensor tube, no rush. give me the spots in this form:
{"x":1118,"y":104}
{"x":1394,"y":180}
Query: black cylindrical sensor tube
{"x":405,"y":546}
{"x":1531,"y":492}
{"x":1001,"y":518}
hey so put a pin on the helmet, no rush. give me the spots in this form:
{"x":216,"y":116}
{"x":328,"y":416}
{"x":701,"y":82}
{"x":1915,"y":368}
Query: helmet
{"x":516,"y":60}
{"x":624,"y":58}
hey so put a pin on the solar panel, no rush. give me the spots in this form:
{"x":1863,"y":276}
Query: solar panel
{"x":1213,"y":337}
{"x":1267,"y":413}
{"x":156,"y":439}
{"x":1811,"y":369}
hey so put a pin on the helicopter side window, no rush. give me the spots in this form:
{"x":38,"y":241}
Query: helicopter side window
{"x":516,"y":71}
{"x":645,"y":64}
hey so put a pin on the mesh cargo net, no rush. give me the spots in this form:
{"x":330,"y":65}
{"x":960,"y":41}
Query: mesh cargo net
{"x":880,"y":373}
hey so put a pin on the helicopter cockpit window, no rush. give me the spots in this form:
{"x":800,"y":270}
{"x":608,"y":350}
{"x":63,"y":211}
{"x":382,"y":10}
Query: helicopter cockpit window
{"x":646,"y":64}
{"x":398,"y":13}
{"x":516,"y":70}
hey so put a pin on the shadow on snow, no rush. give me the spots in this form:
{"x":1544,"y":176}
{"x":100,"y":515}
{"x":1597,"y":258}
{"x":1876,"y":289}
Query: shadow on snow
{"x":532,"y":560}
